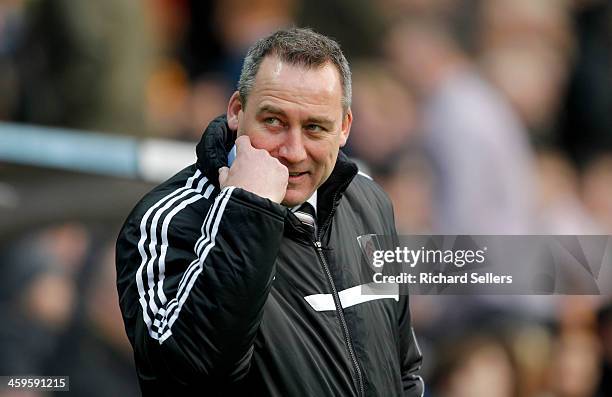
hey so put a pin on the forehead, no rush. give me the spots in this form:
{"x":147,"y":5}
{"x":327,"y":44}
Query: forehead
{"x":283,"y":83}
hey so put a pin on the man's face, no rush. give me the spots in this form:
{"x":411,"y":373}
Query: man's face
{"x":296,"y":115}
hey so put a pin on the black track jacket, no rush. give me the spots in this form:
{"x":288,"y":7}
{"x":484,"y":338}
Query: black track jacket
{"x":223,"y":293}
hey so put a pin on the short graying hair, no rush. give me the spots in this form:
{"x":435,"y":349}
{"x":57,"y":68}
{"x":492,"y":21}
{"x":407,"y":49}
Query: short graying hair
{"x":296,"y":46}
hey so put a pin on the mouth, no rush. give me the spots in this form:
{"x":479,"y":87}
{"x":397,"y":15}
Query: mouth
{"x":294,"y":176}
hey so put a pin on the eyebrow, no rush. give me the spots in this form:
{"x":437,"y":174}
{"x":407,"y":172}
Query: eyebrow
{"x":310,"y":120}
{"x":270,"y":109}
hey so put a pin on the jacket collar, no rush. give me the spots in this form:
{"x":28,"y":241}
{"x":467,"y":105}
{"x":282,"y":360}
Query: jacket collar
{"x":217,"y":140}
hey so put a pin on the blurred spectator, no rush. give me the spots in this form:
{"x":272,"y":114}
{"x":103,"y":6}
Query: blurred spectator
{"x":525,"y":47}
{"x":409,"y":186}
{"x":604,"y":327}
{"x":574,"y":370}
{"x":39,"y":296}
{"x":507,"y":24}
{"x":560,"y":210}
{"x":479,"y":366}
{"x":95,"y":351}
{"x":597,"y":190}
{"x":207,"y":100}
{"x":84,"y":65}
{"x":167,"y":95}
{"x":358,"y":25}
{"x":530,"y":344}
{"x":586,"y":120}
{"x":241,"y":23}
{"x":482,"y":162}
{"x":385,"y":137}
{"x":532,"y":78}
{"x":200,"y":50}
{"x":12,"y":21}
{"x":59,"y":317}
{"x":385,"y":118}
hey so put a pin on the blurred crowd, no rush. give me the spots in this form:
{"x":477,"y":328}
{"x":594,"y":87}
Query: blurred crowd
{"x":476,"y":117}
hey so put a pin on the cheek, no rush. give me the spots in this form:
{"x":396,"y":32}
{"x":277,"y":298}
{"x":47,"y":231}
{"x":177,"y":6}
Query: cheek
{"x":324,"y":155}
{"x":263,"y":140}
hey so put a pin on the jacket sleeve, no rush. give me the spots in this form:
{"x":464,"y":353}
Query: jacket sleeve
{"x":192,"y":295}
{"x":410,"y":354}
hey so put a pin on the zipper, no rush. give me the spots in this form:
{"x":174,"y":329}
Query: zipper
{"x":339,"y":311}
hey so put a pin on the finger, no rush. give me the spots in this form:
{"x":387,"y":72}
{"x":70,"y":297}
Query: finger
{"x":242,"y":142}
{"x":283,"y":167}
{"x":223,"y":175}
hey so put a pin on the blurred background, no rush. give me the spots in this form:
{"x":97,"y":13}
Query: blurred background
{"x":476,"y":116}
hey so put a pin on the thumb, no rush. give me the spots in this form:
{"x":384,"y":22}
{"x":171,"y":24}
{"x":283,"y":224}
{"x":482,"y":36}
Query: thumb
{"x":223,"y":175}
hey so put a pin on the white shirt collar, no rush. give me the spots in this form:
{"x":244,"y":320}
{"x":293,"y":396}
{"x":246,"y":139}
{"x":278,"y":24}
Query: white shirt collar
{"x":312,"y":200}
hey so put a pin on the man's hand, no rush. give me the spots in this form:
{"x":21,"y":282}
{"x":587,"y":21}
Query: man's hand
{"x":256,"y":171}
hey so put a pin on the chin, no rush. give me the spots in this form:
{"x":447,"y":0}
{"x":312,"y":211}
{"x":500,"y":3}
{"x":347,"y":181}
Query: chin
{"x":293,"y":198}
{"x":291,"y":203}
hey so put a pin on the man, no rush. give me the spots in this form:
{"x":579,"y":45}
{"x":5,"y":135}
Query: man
{"x":479,"y":151}
{"x":225,"y":290}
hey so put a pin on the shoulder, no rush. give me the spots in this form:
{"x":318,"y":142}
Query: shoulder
{"x":363,"y":185}
{"x":366,"y":192}
{"x":182,"y":198}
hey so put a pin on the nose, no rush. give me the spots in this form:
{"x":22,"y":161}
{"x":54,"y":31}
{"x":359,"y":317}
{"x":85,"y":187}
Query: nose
{"x":292,"y":148}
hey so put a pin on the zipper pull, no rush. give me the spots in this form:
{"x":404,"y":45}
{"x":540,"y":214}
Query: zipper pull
{"x":318,"y":244}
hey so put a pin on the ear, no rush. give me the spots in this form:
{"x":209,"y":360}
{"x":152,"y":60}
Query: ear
{"x":347,"y":121}
{"x":234,"y":108}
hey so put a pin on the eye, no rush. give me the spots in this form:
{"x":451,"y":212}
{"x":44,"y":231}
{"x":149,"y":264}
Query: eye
{"x":314,"y":128}
{"x":272,"y":121}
